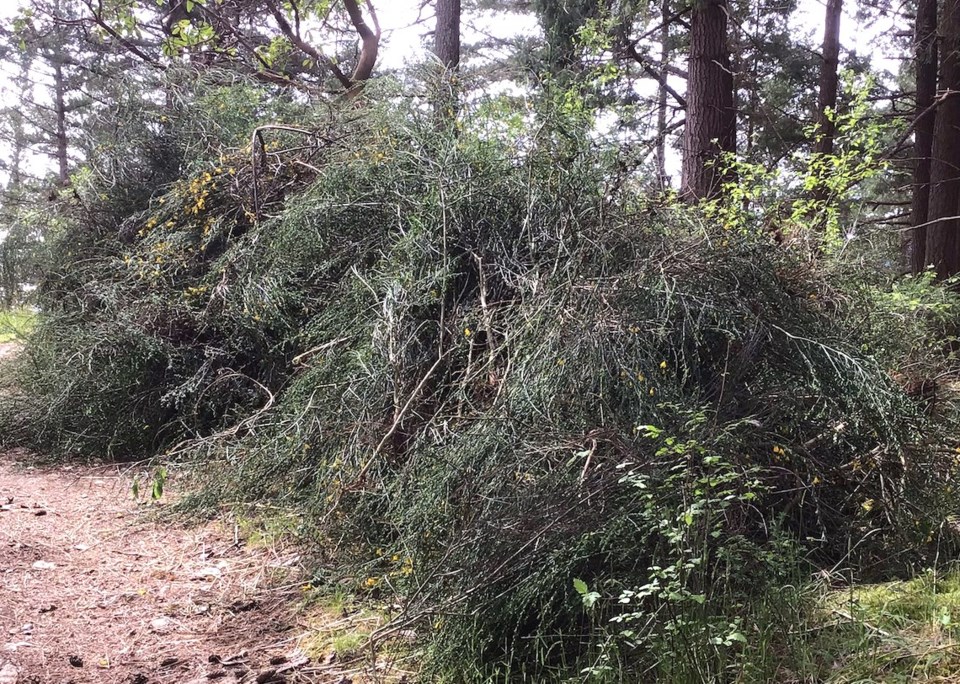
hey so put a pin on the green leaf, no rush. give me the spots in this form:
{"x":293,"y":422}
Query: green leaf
{"x":159,"y":479}
{"x":580,"y":586}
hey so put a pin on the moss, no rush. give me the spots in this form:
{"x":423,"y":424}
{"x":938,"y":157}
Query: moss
{"x":897,"y":631}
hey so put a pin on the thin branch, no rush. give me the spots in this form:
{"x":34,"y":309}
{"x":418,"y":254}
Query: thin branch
{"x":916,"y":120}
{"x":670,"y":20}
{"x":305,"y":47}
{"x":652,"y":73}
{"x":97,"y":16}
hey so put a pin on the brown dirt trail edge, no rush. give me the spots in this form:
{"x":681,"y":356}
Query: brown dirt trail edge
{"x":94,"y":590}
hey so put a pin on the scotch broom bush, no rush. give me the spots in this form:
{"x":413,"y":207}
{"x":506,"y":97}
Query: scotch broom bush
{"x":567,"y":428}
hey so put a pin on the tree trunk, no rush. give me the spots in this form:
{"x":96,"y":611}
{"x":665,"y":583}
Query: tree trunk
{"x":829,"y":79}
{"x":18,"y":141}
{"x":61,"y":150}
{"x":369,"y":42}
{"x":925,"y":50}
{"x":661,"y":153}
{"x":710,"y":128}
{"x":943,"y":246}
{"x":447,"y":35}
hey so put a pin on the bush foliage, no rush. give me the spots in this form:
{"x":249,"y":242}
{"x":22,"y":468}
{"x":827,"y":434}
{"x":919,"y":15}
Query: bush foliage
{"x":497,"y":381}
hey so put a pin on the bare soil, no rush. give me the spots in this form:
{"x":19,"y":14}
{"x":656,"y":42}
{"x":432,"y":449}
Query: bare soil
{"x":95,"y":588}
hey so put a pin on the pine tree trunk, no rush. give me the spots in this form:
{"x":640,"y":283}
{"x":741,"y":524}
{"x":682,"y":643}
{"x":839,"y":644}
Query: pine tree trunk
{"x":18,"y":140}
{"x":925,"y":47}
{"x":943,"y":245}
{"x":61,"y":150}
{"x":829,"y":78}
{"x":710,"y":128}
{"x":663,"y":180}
{"x":447,"y":36}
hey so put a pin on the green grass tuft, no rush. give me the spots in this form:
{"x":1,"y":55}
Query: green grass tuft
{"x":16,"y":324}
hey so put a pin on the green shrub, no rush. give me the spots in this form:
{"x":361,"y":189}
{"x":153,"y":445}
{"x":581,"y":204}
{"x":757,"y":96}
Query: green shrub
{"x":498,"y":385}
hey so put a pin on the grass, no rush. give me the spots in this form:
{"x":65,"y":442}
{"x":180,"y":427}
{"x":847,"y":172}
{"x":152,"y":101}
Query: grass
{"x":341,"y":626}
{"x":268,"y":527}
{"x":891,"y":632}
{"x":15,"y":324}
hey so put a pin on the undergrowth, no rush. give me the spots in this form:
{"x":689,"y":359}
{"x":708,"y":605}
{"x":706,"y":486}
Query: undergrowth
{"x":15,"y":324}
{"x":573,"y":432}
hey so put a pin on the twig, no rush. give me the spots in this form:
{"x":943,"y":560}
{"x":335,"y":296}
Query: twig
{"x":399,"y":417}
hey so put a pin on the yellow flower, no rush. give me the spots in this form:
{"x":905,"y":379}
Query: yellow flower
{"x":868,"y":505}
{"x":467,"y":332}
{"x":652,"y":392}
{"x":371,"y":582}
{"x":663,"y":365}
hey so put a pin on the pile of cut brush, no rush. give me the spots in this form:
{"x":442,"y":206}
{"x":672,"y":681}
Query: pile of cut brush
{"x":483,"y":367}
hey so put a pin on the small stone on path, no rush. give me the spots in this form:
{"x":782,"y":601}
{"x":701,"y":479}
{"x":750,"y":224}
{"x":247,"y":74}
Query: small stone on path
{"x":8,"y":674}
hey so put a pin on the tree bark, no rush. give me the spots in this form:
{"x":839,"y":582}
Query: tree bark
{"x":829,"y":78}
{"x":18,"y":141}
{"x":711,"y":122}
{"x":925,"y":51}
{"x":369,"y":42}
{"x":661,"y":153}
{"x":943,"y":245}
{"x":61,"y":150}
{"x":447,"y":35}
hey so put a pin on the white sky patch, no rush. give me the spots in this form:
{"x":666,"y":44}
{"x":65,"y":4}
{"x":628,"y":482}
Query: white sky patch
{"x":856,"y":35}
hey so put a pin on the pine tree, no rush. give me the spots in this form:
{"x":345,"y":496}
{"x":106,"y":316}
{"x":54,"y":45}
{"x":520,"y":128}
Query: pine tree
{"x":943,"y":242}
{"x":710,"y":129}
{"x":925,"y":54}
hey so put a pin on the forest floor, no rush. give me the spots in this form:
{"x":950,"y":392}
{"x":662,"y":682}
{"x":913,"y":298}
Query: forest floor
{"x":96,"y":587}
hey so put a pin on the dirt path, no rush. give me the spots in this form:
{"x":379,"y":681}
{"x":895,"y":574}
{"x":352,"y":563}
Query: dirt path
{"x":93,"y":590}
